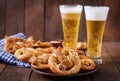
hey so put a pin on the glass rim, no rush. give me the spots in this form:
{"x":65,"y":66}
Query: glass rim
{"x":98,"y":13}
{"x":88,"y":6}
{"x":70,"y":5}
{"x":68,"y":8}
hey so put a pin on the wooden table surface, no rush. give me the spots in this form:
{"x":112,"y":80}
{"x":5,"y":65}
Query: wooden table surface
{"x":108,"y":71}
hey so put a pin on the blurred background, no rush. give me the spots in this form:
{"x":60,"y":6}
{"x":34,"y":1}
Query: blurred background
{"x":41,"y":18}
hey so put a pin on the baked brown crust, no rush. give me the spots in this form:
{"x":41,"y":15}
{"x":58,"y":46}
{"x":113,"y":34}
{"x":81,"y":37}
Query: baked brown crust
{"x":82,"y":45}
{"x":13,"y":43}
{"x":45,"y":55}
{"x":64,"y":63}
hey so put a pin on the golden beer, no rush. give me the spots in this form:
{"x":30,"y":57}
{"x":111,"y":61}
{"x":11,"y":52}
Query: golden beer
{"x":70,"y":22}
{"x":95,"y":21}
{"x":95,"y":30}
{"x":70,"y":15}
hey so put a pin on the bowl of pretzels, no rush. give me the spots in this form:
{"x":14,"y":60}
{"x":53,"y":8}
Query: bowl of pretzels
{"x":50,"y":57}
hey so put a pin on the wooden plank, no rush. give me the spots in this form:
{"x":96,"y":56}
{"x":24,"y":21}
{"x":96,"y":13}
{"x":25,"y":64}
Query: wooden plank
{"x":14,"y":16}
{"x":2,"y":29}
{"x":94,"y":2}
{"x":83,"y":30}
{"x":15,"y":73}
{"x":81,"y":2}
{"x":53,"y":27}
{"x":107,"y":71}
{"x":34,"y":18}
{"x":114,"y":49}
{"x":38,"y":77}
{"x":113,"y":20}
{"x":2,"y":18}
{"x":2,"y":66}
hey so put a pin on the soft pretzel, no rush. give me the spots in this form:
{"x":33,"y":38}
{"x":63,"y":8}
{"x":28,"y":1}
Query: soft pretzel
{"x":41,"y":62}
{"x":87,"y":64}
{"x":13,"y":43}
{"x":64,"y":63}
{"x":82,"y":45}
{"x":80,"y":52}
{"x":42,"y":44}
{"x":29,"y":42}
{"x":25,"y":54}
{"x":56,"y":43}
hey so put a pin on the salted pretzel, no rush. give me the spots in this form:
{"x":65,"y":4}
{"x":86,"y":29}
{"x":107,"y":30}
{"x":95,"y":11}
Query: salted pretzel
{"x":28,"y":54}
{"x":42,"y":44}
{"x":29,"y":42}
{"x":13,"y":43}
{"x":41,"y":62}
{"x":82,"y":45}
{"x":64,"y":62}
{"x":80,"y":52}
{"x":25,"y":54}
{"x":56,"y":43}
{"x":87,"y":64}
{"x":83,"y":57}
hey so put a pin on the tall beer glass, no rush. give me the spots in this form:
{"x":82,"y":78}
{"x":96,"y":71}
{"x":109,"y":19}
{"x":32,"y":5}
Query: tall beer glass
{"x":95,"y":21}
{"x":70,"y":15}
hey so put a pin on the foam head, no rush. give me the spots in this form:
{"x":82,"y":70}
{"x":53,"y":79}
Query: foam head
{"x":96,"y":13}
{"x":70,"y":8}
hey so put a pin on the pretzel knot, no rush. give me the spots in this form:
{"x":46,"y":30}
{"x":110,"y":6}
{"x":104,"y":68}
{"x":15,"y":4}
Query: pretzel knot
{"x":41,"y":61}
{"x":64,"y":62}
{"x":87,"y":64}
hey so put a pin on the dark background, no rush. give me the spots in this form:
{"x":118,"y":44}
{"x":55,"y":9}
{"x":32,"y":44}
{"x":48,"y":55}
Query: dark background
{"x":41,"y":18}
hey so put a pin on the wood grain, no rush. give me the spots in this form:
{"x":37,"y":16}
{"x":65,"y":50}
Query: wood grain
{"x":113,"y":22}
{"x":14,"y":16}
{"x":15,"y":73}
{"x":2,"y":18}
{"x":110,"y":71}
{"x":34,"y":18}
{"x":114,"y":52}
{"x":38,"y":77}
{"x":53,"y":27}
{"x":2,"y":67}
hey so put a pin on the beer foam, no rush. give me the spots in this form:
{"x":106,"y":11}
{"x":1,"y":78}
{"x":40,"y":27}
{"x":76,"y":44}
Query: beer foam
{"x":96,"y":13}
{"x":70,"y":9}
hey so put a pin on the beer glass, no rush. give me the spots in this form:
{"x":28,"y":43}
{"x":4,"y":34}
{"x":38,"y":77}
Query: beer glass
{"x":95,"y":21}
{"x":70,"y":15}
